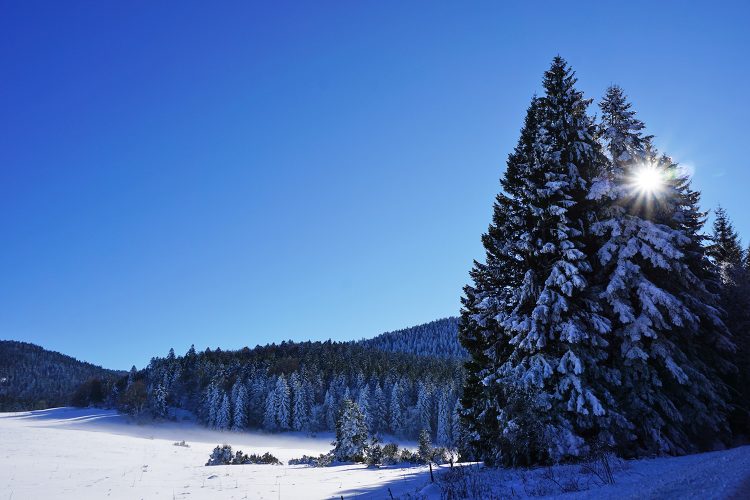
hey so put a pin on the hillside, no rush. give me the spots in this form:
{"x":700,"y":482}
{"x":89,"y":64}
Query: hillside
{"x":437,"y":338}
{"x":422,"y":361}
{"x":32,"y":377}
{"x":406,"y":380}
{"x":300,"y":386}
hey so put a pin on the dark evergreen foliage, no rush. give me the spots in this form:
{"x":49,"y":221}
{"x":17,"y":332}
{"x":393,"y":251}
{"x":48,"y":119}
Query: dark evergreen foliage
{"x":493,"y":284}
{"x":594,"y":321}
{"x":298,"y":386}
{"x":34,"y":378}
{"x":223,"y":455}
{"x":437,"y":338}
{"x":529,"y":320}
{"x":725,"y":248}
{"x":730,"y":260}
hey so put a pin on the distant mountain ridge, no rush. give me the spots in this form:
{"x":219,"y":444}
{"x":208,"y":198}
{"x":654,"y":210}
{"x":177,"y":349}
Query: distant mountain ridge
{"x":32,"y":377}
{"x":437,"y":338}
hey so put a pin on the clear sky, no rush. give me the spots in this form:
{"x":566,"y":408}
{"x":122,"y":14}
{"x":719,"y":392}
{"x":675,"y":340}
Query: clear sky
{"x":236,"y":174}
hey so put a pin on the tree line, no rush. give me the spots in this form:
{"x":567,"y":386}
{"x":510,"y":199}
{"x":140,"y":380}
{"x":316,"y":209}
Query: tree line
{"x":301,"y":387}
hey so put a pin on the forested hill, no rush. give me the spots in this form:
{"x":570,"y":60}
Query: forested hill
{"x":301,"y":386}
{"x":32,"y":377}
{"x":404,"y":382}
{"x":437,"y":338}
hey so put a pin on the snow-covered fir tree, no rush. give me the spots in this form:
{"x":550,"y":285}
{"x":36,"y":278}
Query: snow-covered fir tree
{"x":351,"y":433}
{"x":363,"y":401}
{"x":257,"y":399}
{"x":330,"y":409}
{"x":283,"y":404}
{"x":457,"y":428}
{"x":424,"y":408}
{"x":529,"y":320}
{"x":239,"y":405}
{"x":224,"y":415}
{"x":113,"y":396}
{"x":725,"y":249}
{"x":131,"y":377}
{"x":395,"y":411}
{"x":655,"y":284}
{"x":270,"y":412}
{"x":424,"y":446}
{"x":444,"y":422}
{"x":378,"y":410}
{"x":160,"y":402}
{"x":212,"y":402}
{"x":300,"y":404}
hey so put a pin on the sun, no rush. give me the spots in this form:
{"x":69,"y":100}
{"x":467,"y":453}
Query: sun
{"x":648,"y":179}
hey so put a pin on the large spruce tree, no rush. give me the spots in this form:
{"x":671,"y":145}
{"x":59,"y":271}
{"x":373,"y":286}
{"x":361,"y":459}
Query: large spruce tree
{"x":594,"y":320}
{"x":658,"y":291}
{"x":537,"y":389}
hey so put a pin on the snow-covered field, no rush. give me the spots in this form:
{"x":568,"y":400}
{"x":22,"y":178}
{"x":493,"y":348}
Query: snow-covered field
{"x":89,"y":453}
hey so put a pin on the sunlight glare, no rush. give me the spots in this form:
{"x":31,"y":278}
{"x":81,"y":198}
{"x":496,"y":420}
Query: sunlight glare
{"x":648,"y":179}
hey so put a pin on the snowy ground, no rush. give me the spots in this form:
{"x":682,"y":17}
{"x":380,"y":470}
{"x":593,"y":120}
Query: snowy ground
{"x":88,"y":453}
{"x":717,"y":475}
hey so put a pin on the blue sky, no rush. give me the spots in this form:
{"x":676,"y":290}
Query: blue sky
{"x":236,"y":174}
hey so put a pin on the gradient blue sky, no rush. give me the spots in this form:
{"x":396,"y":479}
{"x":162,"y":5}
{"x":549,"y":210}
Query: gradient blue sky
{"x":236,"y":174}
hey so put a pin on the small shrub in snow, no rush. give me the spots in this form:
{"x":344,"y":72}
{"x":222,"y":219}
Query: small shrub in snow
{"x":601,"y":466}
{"x":565,"y":483}
{"x":390,"y":454}
{"x":440,"y":455}
{"x":409,"y":457}
{"x":222,"y":455}
{"x":323,"y":460}
{"x":304,"y":460}
{"x":374,"y":453}
{"x":266,"y":459}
